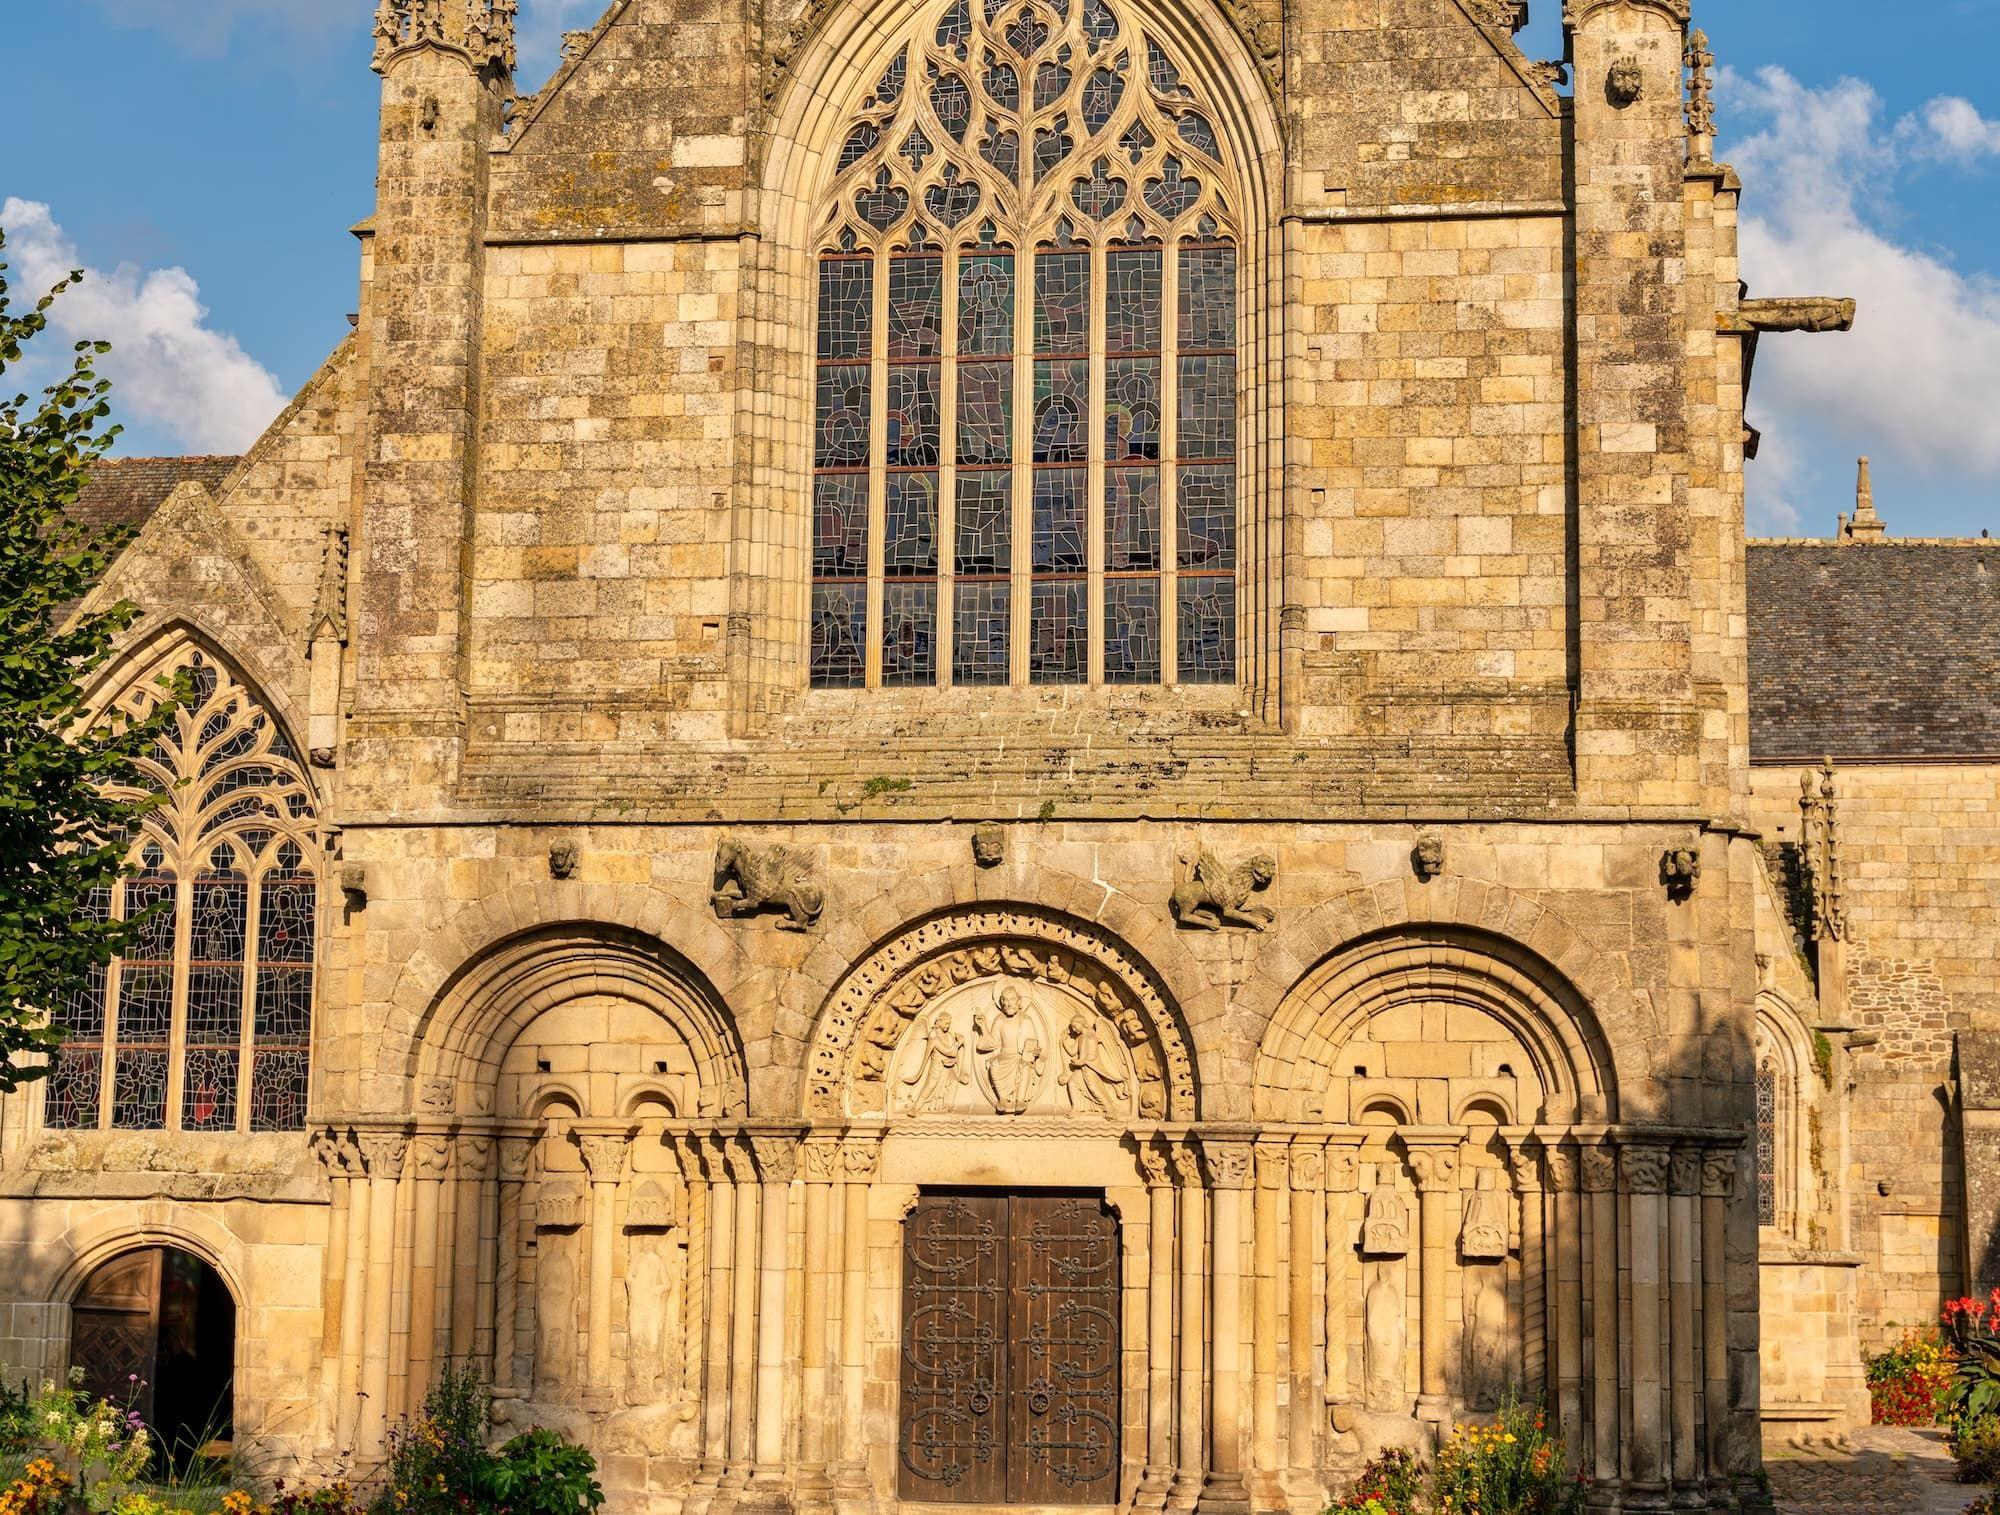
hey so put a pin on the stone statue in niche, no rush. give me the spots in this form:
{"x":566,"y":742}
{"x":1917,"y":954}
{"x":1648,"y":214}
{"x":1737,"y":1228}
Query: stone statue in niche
{"x":1092,"y":1075}
{"x":1385,"y":1228}
{"x":1011,"y":1053}
{"x":1486,"y":1364}
{"x":1483,"y":1238}
{"x":1213,"y":895}
{"x":755,"y":881}
{"x":940,"y":1070}
{"x":648,"y":1307}
{"x":1384,"y":1387}
{"x":556,"y":1362}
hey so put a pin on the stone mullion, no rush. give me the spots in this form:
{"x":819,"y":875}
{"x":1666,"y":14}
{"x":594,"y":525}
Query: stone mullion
{"x":947,"y":491}
{"x":1094,"y":553}
{"x":246,"y":1021}
{"x":1170,"y":446}
{"x":177,"y":1016}
{"x":107,"y":1057}
{"x":878,"y":462}
{"x":1020,"y":592}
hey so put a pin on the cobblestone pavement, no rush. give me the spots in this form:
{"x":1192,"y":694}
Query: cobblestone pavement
{"x":1884,"y":1470}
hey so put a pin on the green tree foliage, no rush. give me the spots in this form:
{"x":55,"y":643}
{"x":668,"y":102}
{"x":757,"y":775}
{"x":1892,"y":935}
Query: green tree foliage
{"x":70,"y":785}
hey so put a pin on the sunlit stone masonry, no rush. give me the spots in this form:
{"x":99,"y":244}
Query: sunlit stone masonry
{"x":983,"y":752}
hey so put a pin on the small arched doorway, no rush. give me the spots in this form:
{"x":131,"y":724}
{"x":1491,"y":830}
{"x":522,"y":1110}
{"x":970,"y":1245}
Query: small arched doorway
{"x":157,"y":1328}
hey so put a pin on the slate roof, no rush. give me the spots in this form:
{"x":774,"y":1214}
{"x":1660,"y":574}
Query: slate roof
{"x":1887,"y":649}
{"x":126,"y":491}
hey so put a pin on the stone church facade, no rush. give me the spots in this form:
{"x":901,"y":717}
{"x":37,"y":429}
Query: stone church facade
{"x":988,"y":752}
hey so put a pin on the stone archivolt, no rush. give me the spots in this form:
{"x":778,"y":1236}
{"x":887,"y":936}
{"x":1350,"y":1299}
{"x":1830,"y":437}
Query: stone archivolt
{"x":999,"y":1012}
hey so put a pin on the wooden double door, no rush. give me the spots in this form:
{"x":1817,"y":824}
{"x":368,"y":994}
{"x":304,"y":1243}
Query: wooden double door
{"x":1010,"y":1369}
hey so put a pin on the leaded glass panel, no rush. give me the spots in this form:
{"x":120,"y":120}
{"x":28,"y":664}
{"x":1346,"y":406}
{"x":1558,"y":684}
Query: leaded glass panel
{"x":1033,"y":184}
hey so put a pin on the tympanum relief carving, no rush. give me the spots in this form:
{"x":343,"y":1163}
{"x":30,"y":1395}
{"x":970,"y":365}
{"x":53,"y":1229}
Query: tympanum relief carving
{"x":1001,"y":1047}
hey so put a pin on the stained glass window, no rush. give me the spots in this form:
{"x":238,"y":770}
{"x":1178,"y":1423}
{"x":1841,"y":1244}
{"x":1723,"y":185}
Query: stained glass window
{"x":1767,"y":1143}
{"x":206,"y":1023}
{"x":1026,"y":399}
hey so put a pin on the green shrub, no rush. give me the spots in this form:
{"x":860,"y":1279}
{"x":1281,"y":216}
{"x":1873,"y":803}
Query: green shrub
{"x":542,"y":1473}
{"x":439,"y":1462}
{"x":1510,"y":1467}
{"x":1393,"y":1484}
{"x":1975,"y":1444}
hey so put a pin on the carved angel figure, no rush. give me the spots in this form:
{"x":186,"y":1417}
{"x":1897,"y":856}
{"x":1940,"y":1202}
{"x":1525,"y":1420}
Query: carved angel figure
{"x":752,"y":880}
{"x":1091,"y":1071}
{"x":941,"y":1067}
{"x":1214,"y":895}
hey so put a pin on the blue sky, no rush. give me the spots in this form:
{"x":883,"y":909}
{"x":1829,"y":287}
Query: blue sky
{"x":205,"y":157}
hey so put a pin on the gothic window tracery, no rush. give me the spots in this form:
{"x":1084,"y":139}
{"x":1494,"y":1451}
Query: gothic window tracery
{"x":206,"y":1024}
{"x":1026,"y":396}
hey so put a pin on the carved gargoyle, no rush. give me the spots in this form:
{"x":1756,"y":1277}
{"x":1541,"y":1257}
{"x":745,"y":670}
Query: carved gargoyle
{"x":1625,"y":83}
{"x":1680,"y":871}
{"x":1214,"y":896}
{"x":563,"y":858}
{"x":753,"y":881}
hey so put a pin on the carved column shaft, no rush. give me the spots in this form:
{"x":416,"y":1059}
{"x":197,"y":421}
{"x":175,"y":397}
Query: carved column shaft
{"x":1601,"y":1200}
{"x":384,"y":1152}
{"x":1341,"y":1166}
{"x":471,"y":1251}
{"x":821,"y":1166}
{"x":1191,"y":1444}
{"x":1306,"y":1173}
{"x":718,"y":1366}
{"x":1718,"y":1175}
{"x":1224,"y":1491}
{"x":1644,"y":1169}
{"x":1272,"y":1178}
{"x":515,"y":1154}
{"x":1684,"y":1182}
{"x":430,"y":1162}
{"x":1157,"y":1477}
{"x":1436,"y":1170}
{"x":858,"y":1160}
{"x":604,"y":1160}
{"x":743,"y":1317}
{"x":1566,"y":1260}
{"x":777,"y":1164}
{"x":1525,"y":1166}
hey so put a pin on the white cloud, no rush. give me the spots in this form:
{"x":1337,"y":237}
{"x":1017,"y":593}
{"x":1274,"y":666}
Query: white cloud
{"x":539,"y":34}
{"x":206,"y":27}
{"x":170,"y":370}
{"x":1919,"y":373}
{"x":1958,"y":128}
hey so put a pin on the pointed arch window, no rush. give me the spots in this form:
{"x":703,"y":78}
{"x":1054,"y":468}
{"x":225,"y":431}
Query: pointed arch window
{"x":206,"y":1024}
{"x":1024,"y":454}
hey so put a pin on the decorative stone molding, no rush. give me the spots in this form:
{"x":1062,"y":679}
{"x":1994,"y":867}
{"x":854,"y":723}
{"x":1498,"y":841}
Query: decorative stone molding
{"x":1645,"y":1168}
{"x":1272,"y":1165}
{"x":1684,"y":1173}
{"x":777,"y":879}
{"x":559,"y":1205}
{"x":740,"y":1161}
{"x":1212,"y":896}
{"x":1819,"y":813}
{"x":329,"y":618}
{"x":653,"y":1208}
{"x":480,"y":31}
{"x":563,"y":858}
{"x":1700,"y":99}
{"x":864,"y":1023}
{"x":1427,"y":857}
{"x":1308,"y":1167}
{"x":1600,"y":1169}
{"x":1576,"y":12}
{"x":1680,"y":872}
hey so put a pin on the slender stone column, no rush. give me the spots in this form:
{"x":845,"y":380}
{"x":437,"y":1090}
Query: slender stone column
{"x":1566,"y":1300}
{"x":1524,"y":1163}
{"x":820,"y":1161}
{"x":1227,"y":1159}
{"x":743,"y":1318}
{"x":604,"y":1160}
{"x":1307,"y":1173}
{"x":1683,"y":1183}
{"x":694,"y":1282}
{"x":1436,"y":1169}
{"x":1156,"y":1480}
{"x":471,"y":1273}
{"x":384,"y":1152}
{"x":858,"y":1160}
{"x":327,"y":1148}
{"x":1600,"y":1179}
{"x":716,"y":1365}
{"x":1718,"y":1183}
{"x":1191,"y":1445}
{"x":517,"y":1152}
{"x":1342,"y":1166}
{"x":777,"y":1164}
{"x":1266,"y":1493}
{"x":1645,"y":1174}
{"x":430,"y":1165}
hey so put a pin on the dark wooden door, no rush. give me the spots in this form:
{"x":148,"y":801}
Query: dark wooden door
{"x":114,"y":1331}
{"x":1010,"y":1350}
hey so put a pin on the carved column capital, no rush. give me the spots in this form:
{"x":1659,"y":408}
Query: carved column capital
{"x":1227,"y":1161}
{"x":1718,"y":1173}
{"x":1187,"y":1165}
{"x":820,"y":1155}
{"x":1559,"y":1163}
{"x":1343,"y":1165}
{"x":1308,"y":1166}
{"x":1272,"y":1163}
{"x":860,"y":1157}
{"x":738,"y":1159}
{"x":1600,"y":1168}
{"x":1435,"y":1167}
{"x":383,"y":1152}
{"x":1644,"y":1165}
{"x":1524,"y":1164}
{"x":1684,"y":1172}
{"x":604,"y":1155}
{"x":777,"y":1157}
{"x":1157,"y":1163}
{"x":475,"y":1155}
{"x":517,"y":1154}
{"x":430,"y":1155}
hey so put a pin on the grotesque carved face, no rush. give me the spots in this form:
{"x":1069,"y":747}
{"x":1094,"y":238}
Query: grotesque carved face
{"x":1626,"y":82}
{"x":1263,"y":868}
{"x":1428,"y":855}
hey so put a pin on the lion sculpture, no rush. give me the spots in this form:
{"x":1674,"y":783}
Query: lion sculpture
{"x":1214,"y":896}
{"x":750,"y":881}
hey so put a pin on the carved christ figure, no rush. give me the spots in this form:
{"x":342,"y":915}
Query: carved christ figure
{"x":1091,"y":1073}
{"x":938,"y":1070}
{"x":1012,"y":1070}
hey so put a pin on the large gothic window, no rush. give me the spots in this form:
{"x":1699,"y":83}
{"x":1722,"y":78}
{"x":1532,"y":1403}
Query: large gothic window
{"x":206,"y":1025}
{"x":1026,"y":397}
